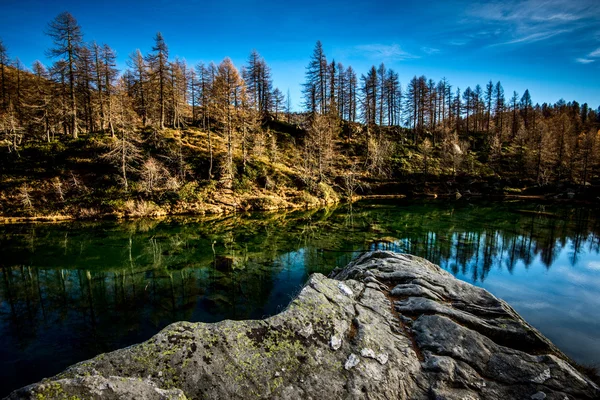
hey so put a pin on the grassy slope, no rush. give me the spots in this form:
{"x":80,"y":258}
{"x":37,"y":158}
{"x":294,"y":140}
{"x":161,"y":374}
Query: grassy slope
{"x":72,"y":179}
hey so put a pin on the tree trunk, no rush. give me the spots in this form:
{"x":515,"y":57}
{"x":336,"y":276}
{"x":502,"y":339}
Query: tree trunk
{"x":72,"y":89}
{"x":123,"y":163}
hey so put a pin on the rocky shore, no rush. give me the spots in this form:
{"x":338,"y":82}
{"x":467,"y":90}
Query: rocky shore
{"x":386,"y":326}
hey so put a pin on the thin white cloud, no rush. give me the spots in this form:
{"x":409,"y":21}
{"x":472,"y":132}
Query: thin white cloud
{"x":384,"y":51}
{"x":589,"y":58}
{"x":529,"y":21}
{"x":556,"y":17}
{"x":533,"y":37}
{"x":554,"y":11}
{"x":584,"y":60}
{"x":577,"y":278}
{"x":430,"y":50}
{"x":594,"y":265}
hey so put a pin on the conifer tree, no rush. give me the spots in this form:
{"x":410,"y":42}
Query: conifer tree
{"x":109,"y":76}
{"x":227,"y":93}
{"x":139,"y":88}
{"x":257,"y":76}
{"x":278,"y":102}
{"x":158,"y":62}
{"x":352,"y":93}
{"x":68,"y":40}
{"x":315,"y":87}
{"x":489,"y":95}
{"x":499,"y":107}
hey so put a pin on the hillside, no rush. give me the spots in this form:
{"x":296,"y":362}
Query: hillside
{"x":168,"y":174}
{"x":80,"y":138}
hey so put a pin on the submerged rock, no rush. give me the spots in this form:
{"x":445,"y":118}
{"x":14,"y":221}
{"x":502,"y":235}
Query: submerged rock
{"x":386,"y":326}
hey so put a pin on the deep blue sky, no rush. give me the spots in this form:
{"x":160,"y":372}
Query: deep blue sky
{"x":551,"y":47}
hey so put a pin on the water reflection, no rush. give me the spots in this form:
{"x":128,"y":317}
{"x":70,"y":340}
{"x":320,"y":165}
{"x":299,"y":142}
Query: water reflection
{"x":71,"y":291}
{"x":472,"y":241}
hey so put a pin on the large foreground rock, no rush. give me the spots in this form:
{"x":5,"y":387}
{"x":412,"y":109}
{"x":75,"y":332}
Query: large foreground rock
{"x":387,"y":326}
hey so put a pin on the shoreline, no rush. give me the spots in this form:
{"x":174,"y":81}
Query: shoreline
{"x":212,"y":209}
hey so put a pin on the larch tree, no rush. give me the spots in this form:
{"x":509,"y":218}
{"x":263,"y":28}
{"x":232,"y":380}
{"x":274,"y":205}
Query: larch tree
{"x":104,"y":76}
{"x":68,"y":39}
{"x":412,"y":103}
{"x":226,"y":91}
{"x":252,"y":76}
{"x":248,"y":122}
{"x":202,"y":92}
{"x":393,"y":97}
{"x":259,"y":83}
{"x":139,"y":89}
{"x":319,"y":148}
{"x":499,"y":107}
{"x":41,"y":101}
{"x":209,"y":107}
{"x":478,"y":107}
{"x":526,"y":106}
{"x":489,"y":96}
{"x":457,"y":109}
{"x":192,"y":88}
{"x":315,"y":87}
{"x":84,"y":86}
{"x":423,"y":94}
{"x":441,"y":105}
{"x":515,"y":121}
{"x":468,"y":96}
{"x":178,"y":90}
{"x":158,"y":61}
{"x":109,"y":76}
{"x":332,"y":103}
{"x":352,"y":93}
{"x":431,"y":104}
{"x":342,"y":91}
{"x":381,"y":92}
{"x":370,"y":90}
{"x":58,"y":74}
{"x":448,"y":126}
{"x":124,"y":151}
{"x":278,"y":102}
{"x":98,"y":68}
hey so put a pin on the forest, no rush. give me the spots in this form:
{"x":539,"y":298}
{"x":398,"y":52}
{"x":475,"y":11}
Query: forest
{"x":79,"y":138}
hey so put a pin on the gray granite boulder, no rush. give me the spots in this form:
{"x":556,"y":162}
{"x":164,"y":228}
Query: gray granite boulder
{"x":388,"y":326}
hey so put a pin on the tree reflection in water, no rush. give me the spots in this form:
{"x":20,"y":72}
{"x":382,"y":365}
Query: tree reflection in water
{"x":70,"y":291}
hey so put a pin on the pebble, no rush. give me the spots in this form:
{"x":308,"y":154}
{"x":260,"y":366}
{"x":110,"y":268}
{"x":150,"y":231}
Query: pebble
{"x":345,"y":290}
{"x":335,"y":342}
{"x":352,"y":361}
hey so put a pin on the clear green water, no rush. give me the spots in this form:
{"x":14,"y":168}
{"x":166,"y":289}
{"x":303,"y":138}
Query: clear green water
{"x":71,"y":291}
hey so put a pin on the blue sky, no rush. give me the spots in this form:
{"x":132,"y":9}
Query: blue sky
{"x":551,"y":47}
